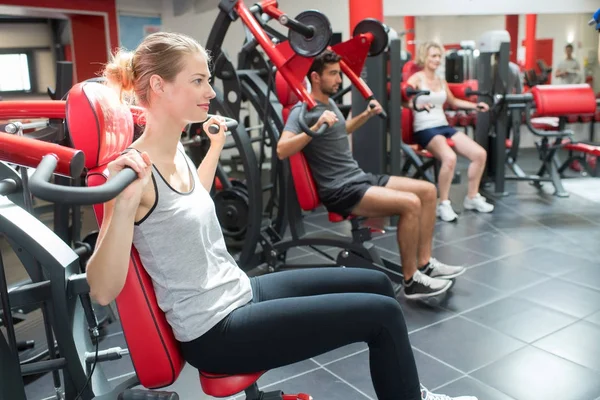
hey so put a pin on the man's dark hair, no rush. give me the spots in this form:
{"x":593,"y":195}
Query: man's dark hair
{"x":569,"y":46}
{"x":320,"y":61}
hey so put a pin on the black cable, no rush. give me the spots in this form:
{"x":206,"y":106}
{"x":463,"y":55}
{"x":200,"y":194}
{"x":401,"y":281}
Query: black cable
{"x":87,"y":382}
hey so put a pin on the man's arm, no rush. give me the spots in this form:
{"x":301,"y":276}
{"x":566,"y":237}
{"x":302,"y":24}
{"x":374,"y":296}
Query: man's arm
{"x":292,"y":139}
{"x":356,"y":122}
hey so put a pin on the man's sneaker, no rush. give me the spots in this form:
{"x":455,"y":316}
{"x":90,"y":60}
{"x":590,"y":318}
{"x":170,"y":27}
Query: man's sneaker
{"x":425,"y":286}
{"x":437,"y":269}
{"x":478,"y":203}
{"x":445,"y":212}
{"x":427,"y":395}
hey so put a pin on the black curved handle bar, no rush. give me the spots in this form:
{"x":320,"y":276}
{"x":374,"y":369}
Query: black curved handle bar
{"x":410,"y":91}
{"x":40,"y":186}
{"x":305,"y":128}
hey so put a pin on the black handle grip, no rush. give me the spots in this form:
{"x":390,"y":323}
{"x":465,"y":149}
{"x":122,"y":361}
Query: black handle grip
{"x":469,"y":92}
{"x":305,"y":127}
{"x":230,"y":123}
{"x":40,"y":186}
{"x":420,"y":93}
{"x":382,"y":114}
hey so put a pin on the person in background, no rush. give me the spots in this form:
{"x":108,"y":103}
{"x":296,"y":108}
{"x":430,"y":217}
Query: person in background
{"x":432,"y":129}
{"x":568,"y":71}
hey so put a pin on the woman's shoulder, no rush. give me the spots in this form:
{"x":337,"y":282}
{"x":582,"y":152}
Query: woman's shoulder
{"x":415,"y":78}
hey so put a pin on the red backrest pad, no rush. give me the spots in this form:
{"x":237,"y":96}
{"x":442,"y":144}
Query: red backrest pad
{"x":104,"y":128}
{"x":407,"y":125}
{"x":305,"y":186}
{"x":458,"y":89}
{"x":562,"y":100}
{"x":410,"y":68}
{"x":99,"y":124}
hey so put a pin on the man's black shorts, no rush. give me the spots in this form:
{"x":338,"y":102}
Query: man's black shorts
{"x":346,"y":198}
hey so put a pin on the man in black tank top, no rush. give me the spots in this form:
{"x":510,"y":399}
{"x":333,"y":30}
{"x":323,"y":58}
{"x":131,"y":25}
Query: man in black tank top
{"x":344,"y":188}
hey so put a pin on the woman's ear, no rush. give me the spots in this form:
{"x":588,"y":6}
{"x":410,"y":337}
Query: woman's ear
{"x":156,"y":84}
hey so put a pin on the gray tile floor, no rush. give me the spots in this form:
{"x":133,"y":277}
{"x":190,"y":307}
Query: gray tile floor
{"x":522,"y":324}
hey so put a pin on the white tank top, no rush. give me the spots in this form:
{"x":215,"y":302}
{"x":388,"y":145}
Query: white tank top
{"x":181,"y":246}
{"x":436,"y":116}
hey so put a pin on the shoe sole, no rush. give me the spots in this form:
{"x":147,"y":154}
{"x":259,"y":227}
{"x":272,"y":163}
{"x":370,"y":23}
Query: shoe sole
{"x":446,"y":220}
{"x":432,"y":294}
{"x":449,"y":276}
{"x":475,"y":209}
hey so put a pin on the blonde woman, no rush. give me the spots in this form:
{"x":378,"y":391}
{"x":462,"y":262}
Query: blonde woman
{"x":431,"y":131}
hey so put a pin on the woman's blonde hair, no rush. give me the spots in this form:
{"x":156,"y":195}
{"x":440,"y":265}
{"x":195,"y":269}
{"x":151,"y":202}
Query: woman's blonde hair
{"x":424,"y":50}
{"x":160,"y":54}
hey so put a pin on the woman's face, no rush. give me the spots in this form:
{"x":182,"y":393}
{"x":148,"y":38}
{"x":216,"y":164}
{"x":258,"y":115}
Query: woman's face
{"x":434,"y":58}
{"x":188,"y":96}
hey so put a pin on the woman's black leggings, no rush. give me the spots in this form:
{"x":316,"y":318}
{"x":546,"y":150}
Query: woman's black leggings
{"x":296,"y":315}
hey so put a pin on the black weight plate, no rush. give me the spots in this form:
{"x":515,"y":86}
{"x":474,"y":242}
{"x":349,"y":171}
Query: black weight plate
{"x":236,"y":183}
{"x":380,"y":41}
{"x":232,"y":210}
{"x":310,"y":47}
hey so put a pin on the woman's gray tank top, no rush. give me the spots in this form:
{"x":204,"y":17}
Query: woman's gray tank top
{"x":181,"y":246}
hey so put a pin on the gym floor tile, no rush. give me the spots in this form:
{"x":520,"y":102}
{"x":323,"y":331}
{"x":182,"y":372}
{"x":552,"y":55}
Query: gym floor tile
{"x":40,"y":387}
{"x":563,"y":296}
{"x":531,"y":236}
{"x":342,"y":352}
{"x":465,"y":295}
{"x":355,"y":369}
{"x":472,"y":387}
{"x":309,"y":259}
{"x":503,"y":275}
{"x":545,"y":261}
{"x":492,"y":244}
{"x":278,"y":374}
{"x":419,"y":314}
{"x":467,"y":225}
{"x":588,"y":276}
{"x":579,"y":343}
{"x":595,"y":318}
{"x":456,"y":254}
{"x":520,"y":318}
{"x":295,"y":253}
{"x":464,"y":344}
{"x":533,"y":374}
{"x":320,"y":384}
{"x":432,"y":372}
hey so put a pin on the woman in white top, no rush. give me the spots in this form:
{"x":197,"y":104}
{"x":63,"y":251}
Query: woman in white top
{"x":431,"y":131}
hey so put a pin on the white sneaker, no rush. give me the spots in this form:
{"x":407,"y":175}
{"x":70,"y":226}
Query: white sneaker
{"x":445,"y":211}
{"x":478,"y":203}
{"x":425,"y":286}
{"x":437,"y":269}
{"x":427,"y":395}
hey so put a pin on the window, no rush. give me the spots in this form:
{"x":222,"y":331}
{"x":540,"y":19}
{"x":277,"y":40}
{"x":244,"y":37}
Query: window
{"x":15,"y":73}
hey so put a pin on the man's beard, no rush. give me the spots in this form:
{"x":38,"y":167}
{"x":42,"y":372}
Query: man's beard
{"x":330,"y":91}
